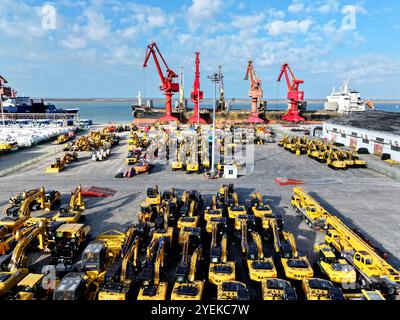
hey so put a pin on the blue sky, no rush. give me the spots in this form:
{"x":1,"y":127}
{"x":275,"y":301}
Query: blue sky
{"x":97,"y":48}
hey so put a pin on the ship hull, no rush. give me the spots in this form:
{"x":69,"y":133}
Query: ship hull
{"x":152,"y":115}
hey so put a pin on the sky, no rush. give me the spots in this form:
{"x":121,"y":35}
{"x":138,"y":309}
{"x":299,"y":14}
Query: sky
{"x":96,"y":48}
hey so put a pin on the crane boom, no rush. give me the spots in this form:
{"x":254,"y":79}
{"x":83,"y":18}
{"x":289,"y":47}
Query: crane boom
{"x":255,"y":93}
{"x":196,"y":94}
{"x":294,"y":94}
{"x":167,"y":81}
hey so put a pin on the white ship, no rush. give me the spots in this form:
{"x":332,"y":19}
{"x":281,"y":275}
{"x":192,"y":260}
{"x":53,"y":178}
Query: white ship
{"x":345,"y":101}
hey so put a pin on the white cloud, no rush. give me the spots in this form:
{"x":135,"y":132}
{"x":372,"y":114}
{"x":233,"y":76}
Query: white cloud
{"x":202,"y":10}
{"x":296,"y":7}
{"x":97,"y":28}
{"x":329,"y":6}
{"x":247,"y":21}
{"x":279,"y":27}
{"x":73,"y":43}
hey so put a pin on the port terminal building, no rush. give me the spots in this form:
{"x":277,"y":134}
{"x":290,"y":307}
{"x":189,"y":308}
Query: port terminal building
{"x":376,"y":131}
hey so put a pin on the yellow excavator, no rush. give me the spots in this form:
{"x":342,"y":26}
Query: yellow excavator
{"x":192,"y":164}
{"x":320,"y":289}
{"x":152,"y":288}
{"x":72,"y":212}
{"x":178,"y":163}
{"x":186,"y":287}
{"x":295,"y":267}
{"x":277,"y":289}
{"x":190,"y":220}
{"x":99,"y":255}
{"x":18,"y":214}
{"x":333,"y":161}
{"x":13,"y":272}
{"x":118,"y":287}
{"x":259,"y":208}
{"x":153,"y":196}
{"x":235,"y":209}
{"x":213,"y":212}
{"x":220,"y":269}
{"x":260,"y":267}
{"x":232,"y":290}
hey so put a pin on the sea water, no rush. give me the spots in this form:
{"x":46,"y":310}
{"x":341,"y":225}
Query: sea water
{"x":103,"y":112}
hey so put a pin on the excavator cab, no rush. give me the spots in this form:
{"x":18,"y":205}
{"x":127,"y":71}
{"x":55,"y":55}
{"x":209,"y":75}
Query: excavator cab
{"x":153,"y":196}
{"x":278,"y":289}
{"x":71,"y":288}
{"x":232,"y":290}
{"x":319,"y":289}
{"x":94,"y":256}
{"x":30,"y":288}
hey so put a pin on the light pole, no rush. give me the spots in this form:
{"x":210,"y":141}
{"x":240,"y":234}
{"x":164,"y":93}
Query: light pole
{"x":215,"y":78}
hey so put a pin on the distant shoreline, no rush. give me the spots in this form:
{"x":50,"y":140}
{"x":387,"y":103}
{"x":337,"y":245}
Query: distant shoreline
{"x":161,"y":100}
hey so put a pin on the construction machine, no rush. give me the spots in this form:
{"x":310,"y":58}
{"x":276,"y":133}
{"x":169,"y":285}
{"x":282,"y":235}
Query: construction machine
{"x":235,"y":209}
{"x":177,"y":164}
{"x":56,"y":167}
{"x":277,"y":289}
{"x":69,"y":240}
{"x":119,"y":276}
{"x":259,"y":208}
{"x":255,"y":93}
{"x":295,"y":95}
{"x":167,"y":81}
{"x":153,"y":196}
{"x":18,"y":214}
{"x":333,"y":161}
{"x":72,"y":212}
{"x":260,"y":267}
{"x":133,"y":157}
{"x":14,"y":266}
{"x":319,"y":289}
{"x":337,"y":270}
{"x":353,"y":155}
{"x":365,"y":295}
{"x":295,"y":267}
{"x":212,"y":213}
{"x":142,"y":167}
{"x":220,"y":269}
{"x":232,"y":290}
{"x":152,"y":287}
{"x":306,"y":206}
{"x":30,"y":288}
{"x":186,"y":287}
{"x":373,"y":271}
{"x":192,"y":163}
{"x":71,"y":288}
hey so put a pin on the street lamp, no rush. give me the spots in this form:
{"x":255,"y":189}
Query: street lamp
{"x":215,"y":78}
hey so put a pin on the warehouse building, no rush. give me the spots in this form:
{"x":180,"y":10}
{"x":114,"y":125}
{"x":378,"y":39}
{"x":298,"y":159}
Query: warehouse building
{"x":377,"y":131}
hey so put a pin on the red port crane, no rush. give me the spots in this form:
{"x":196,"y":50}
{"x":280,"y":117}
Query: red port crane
{"x":255,"y":93}
{"x":295,"y":95}
{"x":196,"y":94}
{"x":167,"y":81}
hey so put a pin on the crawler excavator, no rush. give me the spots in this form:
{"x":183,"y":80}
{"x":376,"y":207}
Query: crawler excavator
{"x":232,"y":290}
{"x":319,"y":289}
{"x":192,"y":163}
{"x":259,"y":208}
{"x":14,"y":266}
{"x":212,"y":213}
{"x":18,"y":214}
{"x":220,"y":269}
{"x":177,"y":164}
{"x":260,"y":267}
{"x":235,"y":209}
{"x":153,"y":196}
{"x":119,"y":276}
{"x":186,"y":287}
{"x":278,"y":289}
{"x":152,"y":287}
{"x":72,"y":212}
